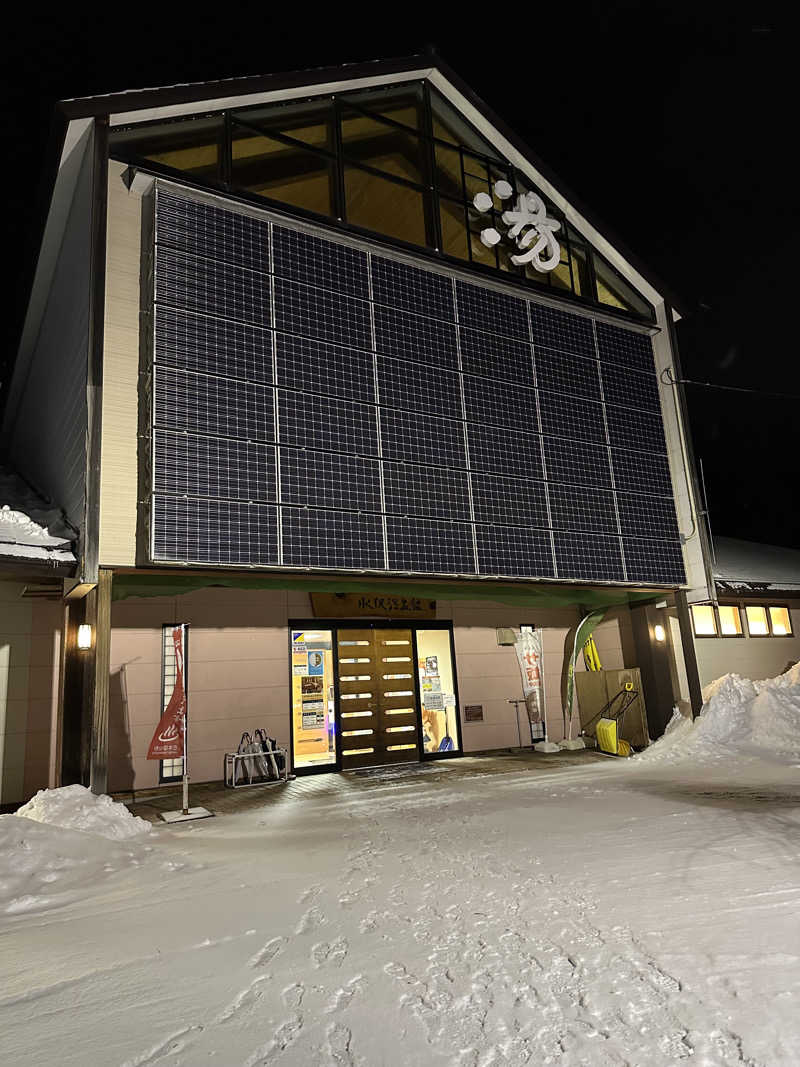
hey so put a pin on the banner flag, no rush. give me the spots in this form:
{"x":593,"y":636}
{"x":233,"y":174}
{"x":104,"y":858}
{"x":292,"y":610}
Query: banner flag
{"x":529,"y":656}
{"x":582,"y":635}
{"x":168,"y":739}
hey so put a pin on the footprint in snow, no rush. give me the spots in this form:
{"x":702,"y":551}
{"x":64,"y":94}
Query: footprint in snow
{"x":333,"y":953}
{"x":312,"y":919}
{"x":309,"y":894}
{"x":339,"y":1038}
{"x":292,"y":995}
{"x":268,"y":952}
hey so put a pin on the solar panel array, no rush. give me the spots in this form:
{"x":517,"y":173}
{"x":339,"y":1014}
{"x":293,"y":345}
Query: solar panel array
{"x":316,"y":405}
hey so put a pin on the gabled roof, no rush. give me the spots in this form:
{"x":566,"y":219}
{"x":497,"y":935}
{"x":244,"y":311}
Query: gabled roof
{"x":72,"y":133}
{"x":140,"y":105}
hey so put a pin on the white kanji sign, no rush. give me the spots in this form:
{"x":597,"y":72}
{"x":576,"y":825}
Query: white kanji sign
{"x":529,"y":225}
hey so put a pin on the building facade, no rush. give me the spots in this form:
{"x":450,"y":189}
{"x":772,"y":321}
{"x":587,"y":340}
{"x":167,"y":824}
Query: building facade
{"x":346,"y":382}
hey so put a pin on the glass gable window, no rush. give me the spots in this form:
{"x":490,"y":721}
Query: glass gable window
{"x":397,"y":161}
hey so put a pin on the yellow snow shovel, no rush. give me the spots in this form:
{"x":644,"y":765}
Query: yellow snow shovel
{"x":608,"y":741}
{"x":608,"y":720}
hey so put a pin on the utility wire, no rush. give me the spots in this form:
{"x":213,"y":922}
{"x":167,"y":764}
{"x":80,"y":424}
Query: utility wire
{"x":667,"y":377}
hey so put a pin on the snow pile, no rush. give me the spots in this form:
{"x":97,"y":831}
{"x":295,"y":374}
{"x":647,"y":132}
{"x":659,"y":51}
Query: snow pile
{"x":756,"y":718}
{"x":28,"y":526}
{"x":42,"y":866}
{"x":76,"y":808}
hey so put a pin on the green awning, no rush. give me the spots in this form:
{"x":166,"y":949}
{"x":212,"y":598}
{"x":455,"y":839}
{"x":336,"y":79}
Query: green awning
{"x":543,"y":595}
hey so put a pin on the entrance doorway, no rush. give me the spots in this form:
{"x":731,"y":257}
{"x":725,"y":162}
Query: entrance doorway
{"x":377,"y":697}
{"x":366,"y":695}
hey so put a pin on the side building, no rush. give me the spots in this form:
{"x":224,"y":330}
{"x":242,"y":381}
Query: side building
{"x":347,"y":383}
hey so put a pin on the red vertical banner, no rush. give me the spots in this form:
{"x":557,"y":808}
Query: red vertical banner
{"x":168,"y":739}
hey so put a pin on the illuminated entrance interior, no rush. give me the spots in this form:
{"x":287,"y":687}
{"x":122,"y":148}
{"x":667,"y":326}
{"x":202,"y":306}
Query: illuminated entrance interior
{"x":390,"y":696}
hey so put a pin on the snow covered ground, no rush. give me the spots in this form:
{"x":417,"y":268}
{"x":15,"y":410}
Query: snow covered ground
{"x":620,"y":912}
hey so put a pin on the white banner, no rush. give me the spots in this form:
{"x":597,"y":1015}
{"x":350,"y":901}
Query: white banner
{"x":529,"y":657}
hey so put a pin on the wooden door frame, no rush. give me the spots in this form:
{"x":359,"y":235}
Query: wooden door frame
{"x":334,"y":625}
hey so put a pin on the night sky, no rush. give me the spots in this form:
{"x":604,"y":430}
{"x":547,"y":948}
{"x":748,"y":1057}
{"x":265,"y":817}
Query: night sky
{"x":675,"y":123}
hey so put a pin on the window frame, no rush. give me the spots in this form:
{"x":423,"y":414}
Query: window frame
{"x":337,"y":159}
{"x":742,"y":606}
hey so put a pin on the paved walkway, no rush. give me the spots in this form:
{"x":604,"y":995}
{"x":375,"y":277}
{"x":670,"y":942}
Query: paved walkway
{"x":221,"y":801}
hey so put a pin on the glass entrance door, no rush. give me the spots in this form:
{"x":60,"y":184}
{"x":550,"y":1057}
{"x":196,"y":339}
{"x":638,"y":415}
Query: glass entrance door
{"x":377,"y":701}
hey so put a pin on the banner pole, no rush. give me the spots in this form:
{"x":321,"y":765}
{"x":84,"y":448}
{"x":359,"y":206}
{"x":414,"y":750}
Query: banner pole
{"x":185,"y":765}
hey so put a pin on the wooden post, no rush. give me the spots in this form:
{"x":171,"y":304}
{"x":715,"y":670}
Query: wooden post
{"x":98,"y":615}
{"x":689,"y":653}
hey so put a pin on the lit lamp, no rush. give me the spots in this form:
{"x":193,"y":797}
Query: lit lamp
{"x":84,"y":637}
{"x":659,"y":633}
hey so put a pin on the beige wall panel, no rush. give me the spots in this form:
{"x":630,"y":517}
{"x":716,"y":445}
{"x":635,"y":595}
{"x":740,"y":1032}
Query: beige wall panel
{"x":751,"y":657}
{"x":118,"y":472}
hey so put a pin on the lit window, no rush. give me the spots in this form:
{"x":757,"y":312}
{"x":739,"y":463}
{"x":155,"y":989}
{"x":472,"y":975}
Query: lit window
{"x":730,"y":620}
{"x":705,"y":625}
{"x":757,"y":624}
{"x":780,"y":621}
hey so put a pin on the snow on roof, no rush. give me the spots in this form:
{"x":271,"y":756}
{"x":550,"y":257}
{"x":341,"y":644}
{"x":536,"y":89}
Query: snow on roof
{"x":746,"y":565}
{"x":30,"y":528}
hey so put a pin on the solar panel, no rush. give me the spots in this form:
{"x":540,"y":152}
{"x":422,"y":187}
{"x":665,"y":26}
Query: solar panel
{"x":223,"y":407}
{"x":654,"y":561}
{"x":647,"y":516}
{"x":515,"y":501}
{"x":422,"y":439}
{"x":597,"y":556}
{"x":642,"y":472}
{"x":431,"y":491}
{"x":214,"y":531}
{"x":418,"y":388}
{"x":308,"y":312}
{"x":191,"y":465}
{"x":222,"y":289}
{"x":503,"y":451}
{"x":212,"y":232}
{"x":576,"y":462}
{"x":400,"y":285}
{"x":424,"y":424}
{"x":325,"y":264}
{"x":568,"y":416}
{"x":500,"y":404}
{"x":562,"y":331}
{"x":326,"y":423}
{"x":627,"y":387}
{"x":493,"y":356}
{"x":430,"y":546}
{"x":631,"y":349}
{"x":345,"y":539}
{"x":216,"y":346}
{"x":575,"y":507}
{"x":330,"y":370}
{"x":406,"y":336}
{"x":630,"y":428}
{"x":489,"y":310}
{"x":329,"y":480}
{"x":513,"y":551}
{"x":575,"y":375}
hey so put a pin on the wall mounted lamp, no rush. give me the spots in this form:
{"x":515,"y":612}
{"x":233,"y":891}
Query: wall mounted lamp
{"x":659,"y":632}
{"x":84,"y":637}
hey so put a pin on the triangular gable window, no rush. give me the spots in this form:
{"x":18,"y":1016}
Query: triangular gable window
{"x":399,"y":162}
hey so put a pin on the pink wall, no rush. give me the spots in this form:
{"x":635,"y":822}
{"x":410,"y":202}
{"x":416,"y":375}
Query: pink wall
{"x":239,"y":672}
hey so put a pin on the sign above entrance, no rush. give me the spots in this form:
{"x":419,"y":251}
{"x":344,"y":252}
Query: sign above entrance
{"x":382,"y":605}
